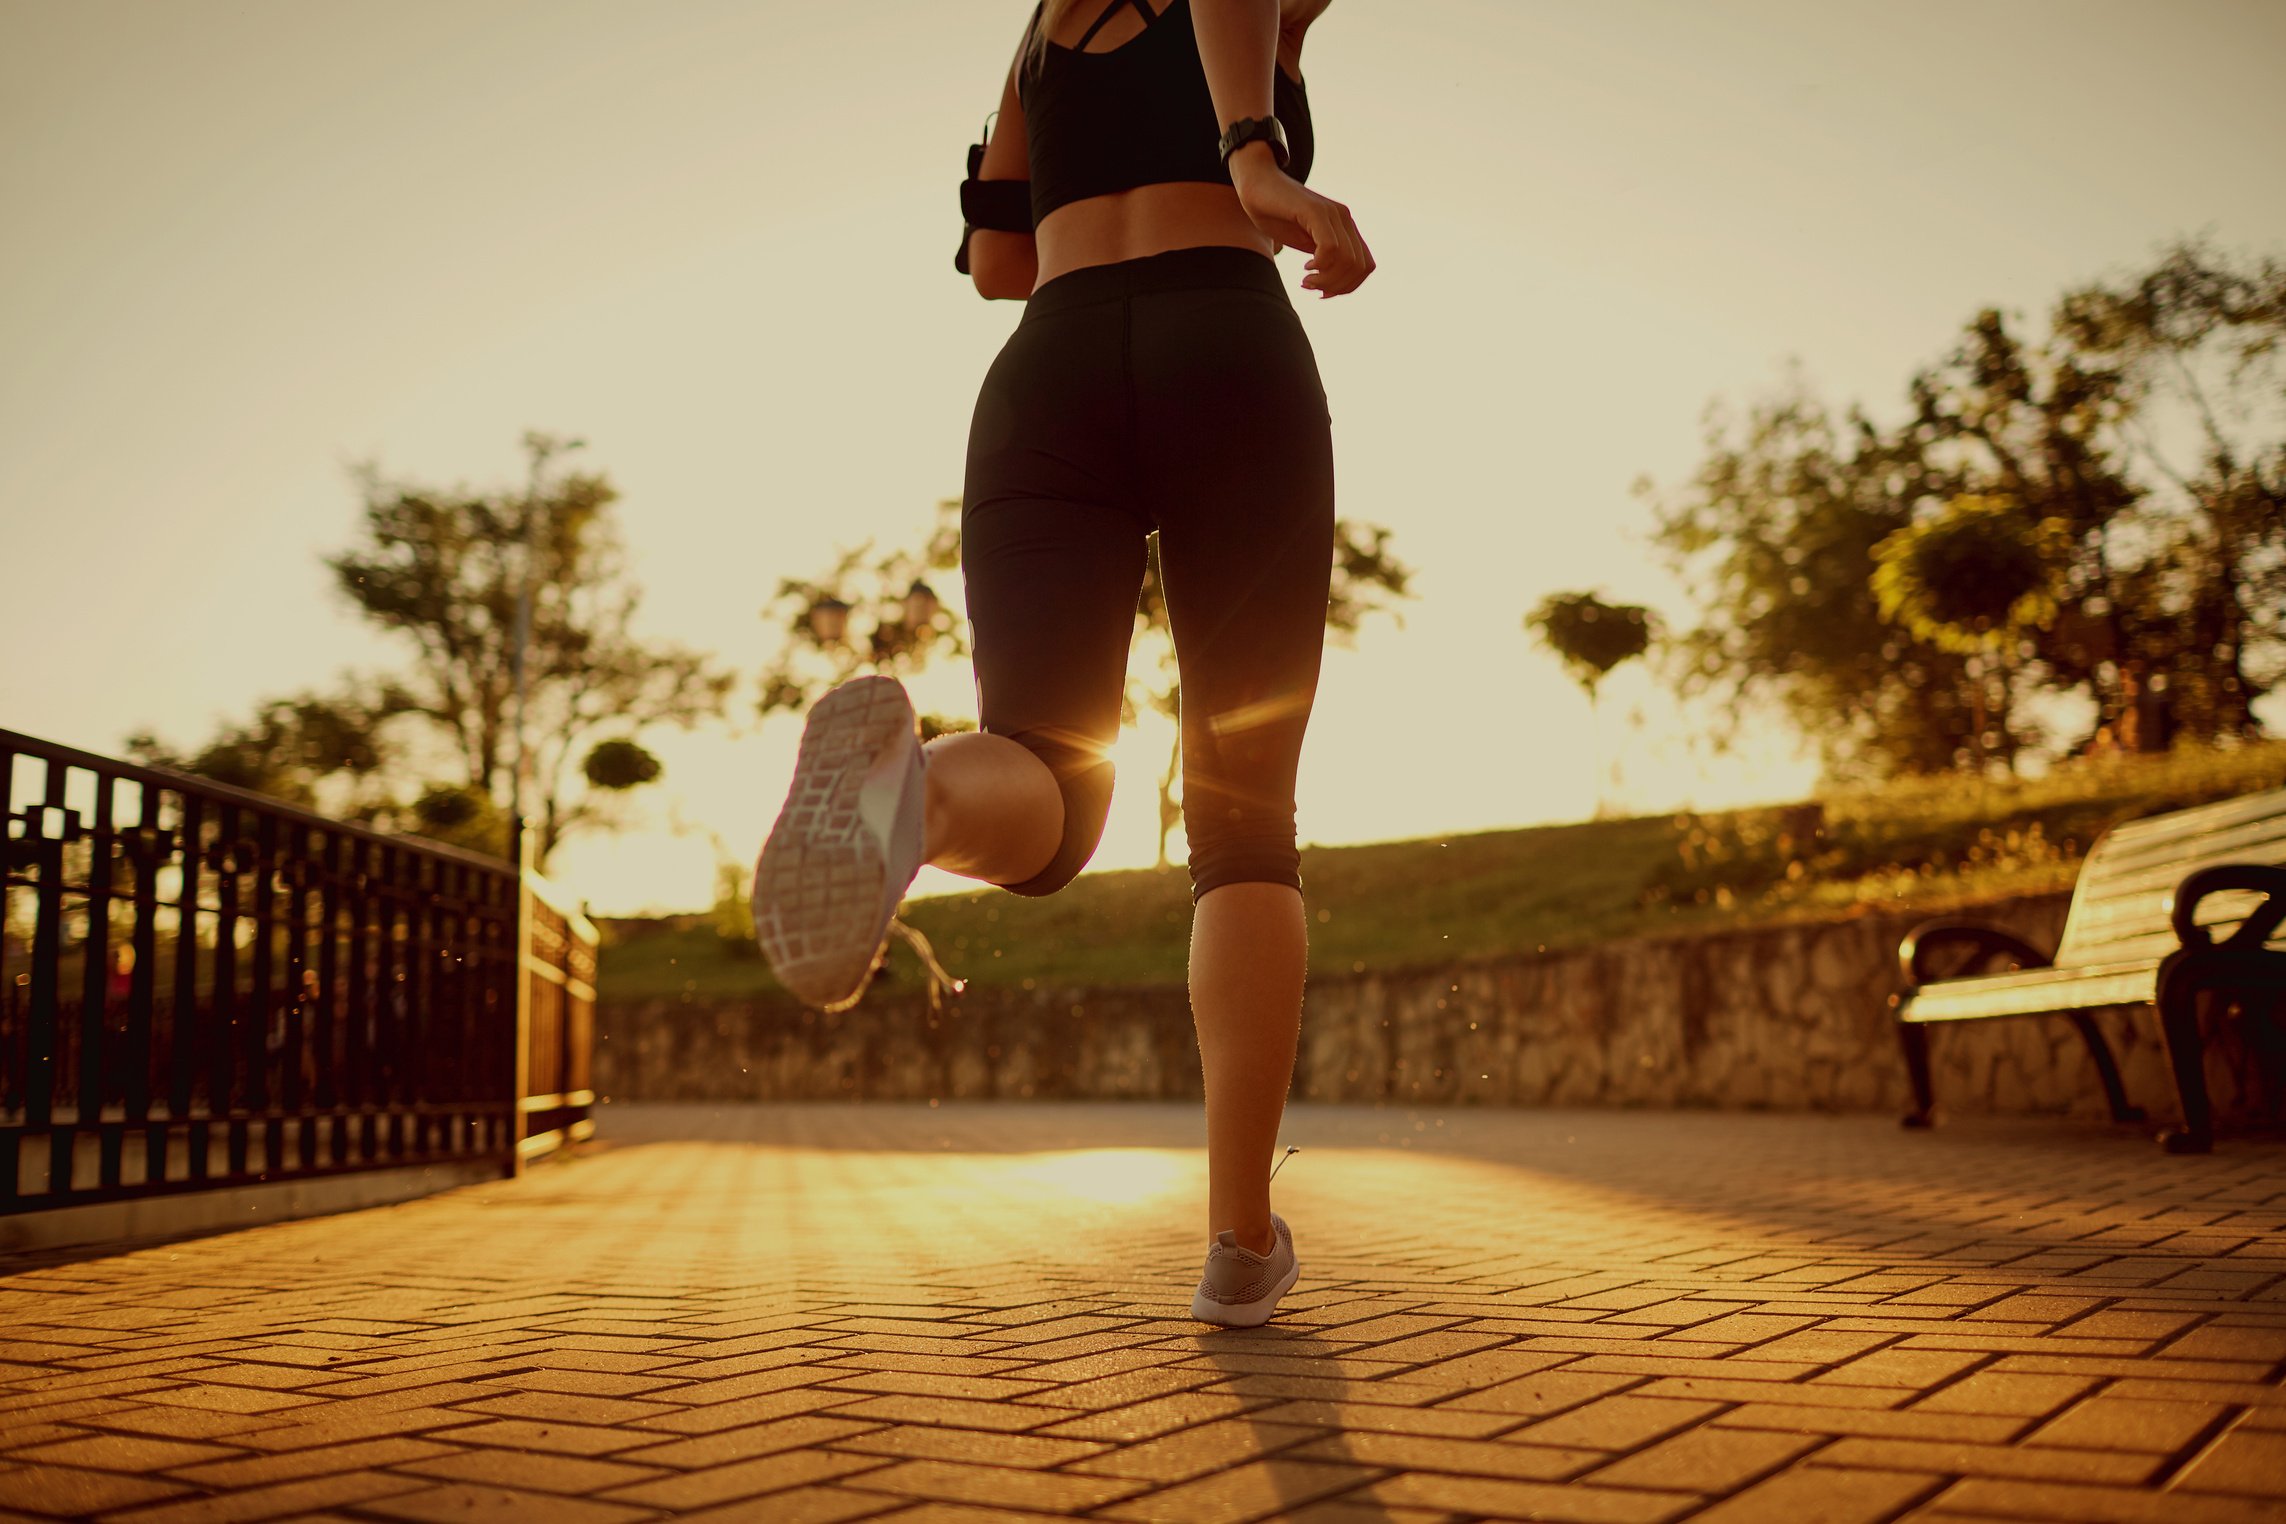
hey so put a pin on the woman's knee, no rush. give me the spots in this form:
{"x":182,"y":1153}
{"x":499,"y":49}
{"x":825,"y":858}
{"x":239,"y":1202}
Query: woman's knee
{"x":1083,"y":775}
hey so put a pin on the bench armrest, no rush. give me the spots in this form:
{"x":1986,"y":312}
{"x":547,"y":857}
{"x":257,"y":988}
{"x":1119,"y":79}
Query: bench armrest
{"x":2253,"y":932}
{"x":1983,"y":939}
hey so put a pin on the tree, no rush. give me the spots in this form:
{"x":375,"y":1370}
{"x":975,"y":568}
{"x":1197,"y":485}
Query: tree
{"x":329,"y":752}
{"x":2098,"y":512}
{"x":446,"y":570}
{"x":2196,"y":344}
{"x":1775,"y":535}
{"x":867,"y":613}
{"x":1591,"y":637}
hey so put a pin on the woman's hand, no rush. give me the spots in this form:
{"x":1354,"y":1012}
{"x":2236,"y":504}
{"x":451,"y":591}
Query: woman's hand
{"x":1299,"y":218}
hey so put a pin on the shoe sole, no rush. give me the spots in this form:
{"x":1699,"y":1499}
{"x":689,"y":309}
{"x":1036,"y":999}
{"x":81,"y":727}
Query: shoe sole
{"x":1245,"y":1314}
{"x":822,"y":882}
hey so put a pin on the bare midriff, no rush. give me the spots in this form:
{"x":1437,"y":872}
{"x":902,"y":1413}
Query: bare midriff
{"x":1150,"y":219}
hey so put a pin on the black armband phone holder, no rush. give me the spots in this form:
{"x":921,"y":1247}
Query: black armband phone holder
{"x":1000,"y":206}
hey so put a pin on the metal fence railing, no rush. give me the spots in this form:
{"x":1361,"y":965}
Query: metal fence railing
{"x":201,"y":987}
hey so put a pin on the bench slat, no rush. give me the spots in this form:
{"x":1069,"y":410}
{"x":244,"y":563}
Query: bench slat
{"x":2119,"y":908}
{"x":2032,"y":990}
{"x":2256,"y":841}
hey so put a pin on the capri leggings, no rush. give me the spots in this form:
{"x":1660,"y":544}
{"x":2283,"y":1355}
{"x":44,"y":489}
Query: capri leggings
{"x":1176,"y":394}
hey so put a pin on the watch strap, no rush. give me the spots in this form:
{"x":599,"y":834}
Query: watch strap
{"x":1254,"y":129}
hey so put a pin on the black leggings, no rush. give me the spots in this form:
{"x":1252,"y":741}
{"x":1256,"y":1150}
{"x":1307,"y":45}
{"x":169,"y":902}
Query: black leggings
{"x":1175,"y":393}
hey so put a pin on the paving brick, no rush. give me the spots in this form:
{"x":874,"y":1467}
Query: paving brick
{"x":2021,"y":1396}
{"x":799,"y":1505}
{"x":753,"y":1440}
{"x":1827,"y":1496}
{"x":1569,"y":1503}
{"x":2102,"y":1505}
{"x":68,"y":1492}
{"x":1615,"y":1423}
{"x":2249,"y":1461}
{"x":1256,"y":1490}
{"x":1148,"y":1420}
{"x":917,"y":1442}
{"x":2120,"y":1468}
{"x":119,"y":1452}
{"x":2106,"y":1422}
{"x":1003,"y":1417}
{"x":545,"y":1471}
{"x":1465,"y":1457}
{"x":362,"y":1489}
{"x":744,"y":1479}
{"x":1450,"y":1423}
{"x":1973,"y":1428}
{"x":1542,"y":1393}
{"x":263,"y":1470}
{"x":996,"y":1486}
{"x":500,"y":1505}
{"x":1706,"y":1460}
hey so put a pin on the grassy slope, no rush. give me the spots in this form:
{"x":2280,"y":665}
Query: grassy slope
{"x":1407,"y":903}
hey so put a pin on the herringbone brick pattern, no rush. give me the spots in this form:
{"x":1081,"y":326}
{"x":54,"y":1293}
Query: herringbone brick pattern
{"x":837,"y":1313}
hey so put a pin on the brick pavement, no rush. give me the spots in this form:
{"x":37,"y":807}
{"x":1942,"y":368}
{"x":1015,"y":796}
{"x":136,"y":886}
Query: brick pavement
{"x":831,"y":1313}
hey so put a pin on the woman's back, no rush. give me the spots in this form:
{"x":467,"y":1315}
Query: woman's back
{"x":1115,"y":93}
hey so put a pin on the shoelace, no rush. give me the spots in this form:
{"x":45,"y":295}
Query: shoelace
{"x":941,"y":983}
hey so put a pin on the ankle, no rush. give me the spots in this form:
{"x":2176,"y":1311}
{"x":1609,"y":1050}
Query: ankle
{"x":1255,"y":1240}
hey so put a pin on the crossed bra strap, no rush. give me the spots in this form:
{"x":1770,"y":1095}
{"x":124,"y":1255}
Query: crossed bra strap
{"x":1149,"y":15}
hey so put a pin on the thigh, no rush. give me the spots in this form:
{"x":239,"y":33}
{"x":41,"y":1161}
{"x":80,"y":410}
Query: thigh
{"x":1242,"y":479}
{"x":1051,"y":588}
{"x":1051,"y":555}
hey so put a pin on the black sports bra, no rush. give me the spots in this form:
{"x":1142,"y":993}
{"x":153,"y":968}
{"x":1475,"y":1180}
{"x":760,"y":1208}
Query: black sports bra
{"x":1139,"y":114}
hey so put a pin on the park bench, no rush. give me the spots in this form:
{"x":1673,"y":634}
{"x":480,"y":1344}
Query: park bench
{"x":2169,"y":911}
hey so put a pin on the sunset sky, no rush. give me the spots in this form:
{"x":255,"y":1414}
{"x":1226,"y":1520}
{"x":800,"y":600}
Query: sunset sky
{"x":250,"y":243}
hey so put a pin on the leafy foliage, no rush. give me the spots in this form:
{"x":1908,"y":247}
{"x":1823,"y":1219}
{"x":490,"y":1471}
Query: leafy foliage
{"x":2036,"y":528}
{"x":1589,"y":635}
{"x":867,"y":613}
{"x":1974,"y":576}
{"x":433,"y":748}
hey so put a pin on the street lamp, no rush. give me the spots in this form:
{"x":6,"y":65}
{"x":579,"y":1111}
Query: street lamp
{"x":921,"y":605}
{"x":829,"y":620}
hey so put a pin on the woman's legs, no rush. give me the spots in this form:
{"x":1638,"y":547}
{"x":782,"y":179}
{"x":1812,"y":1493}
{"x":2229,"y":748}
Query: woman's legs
{"x":994,"y":810}
{"x":1248,"y":947}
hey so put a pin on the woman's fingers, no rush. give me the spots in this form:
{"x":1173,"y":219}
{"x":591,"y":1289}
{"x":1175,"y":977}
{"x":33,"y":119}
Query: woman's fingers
{"x":1341,"y":261}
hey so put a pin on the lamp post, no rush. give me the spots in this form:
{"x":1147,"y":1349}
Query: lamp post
{"x":542,"y":448}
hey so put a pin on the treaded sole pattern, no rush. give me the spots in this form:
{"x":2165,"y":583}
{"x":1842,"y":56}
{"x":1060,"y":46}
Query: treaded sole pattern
{"x":820,"y":886}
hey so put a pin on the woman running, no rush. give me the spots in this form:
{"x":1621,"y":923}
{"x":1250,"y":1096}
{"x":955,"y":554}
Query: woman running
{"x":1148,"y":164}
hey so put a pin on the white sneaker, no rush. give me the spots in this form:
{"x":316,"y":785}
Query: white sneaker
{"x":847,"y":844}
{"x":1241,"y":1288}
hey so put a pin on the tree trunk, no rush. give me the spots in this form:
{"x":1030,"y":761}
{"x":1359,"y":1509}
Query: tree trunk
{"x":1170,"y":808}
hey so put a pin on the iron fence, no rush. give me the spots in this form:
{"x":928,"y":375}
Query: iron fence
{"x":201,"y":987}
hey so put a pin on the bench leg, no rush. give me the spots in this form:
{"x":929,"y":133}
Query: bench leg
{"x":1914,"y":1039}
{"x":2186,"y":1053}
{"x":2106,"y":1070}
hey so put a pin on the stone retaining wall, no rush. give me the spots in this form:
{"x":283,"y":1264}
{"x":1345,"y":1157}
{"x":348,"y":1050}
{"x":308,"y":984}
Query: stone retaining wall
{"x":1781,"y":1018}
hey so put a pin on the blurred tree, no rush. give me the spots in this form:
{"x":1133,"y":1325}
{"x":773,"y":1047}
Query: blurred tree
{"x":868,"y":613}
{"x":1974,"y":578}
{"x":2195,"y":343}
{"x":332,"y":753}
{"x":1591,"y":637}
{"x":1775,"y":534}
{"x":1866,"y":580}
{"x":444,"y":570}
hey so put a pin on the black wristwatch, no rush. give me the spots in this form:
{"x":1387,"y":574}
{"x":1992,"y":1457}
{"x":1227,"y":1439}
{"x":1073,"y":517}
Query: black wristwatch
{"x":1254,"y":129}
